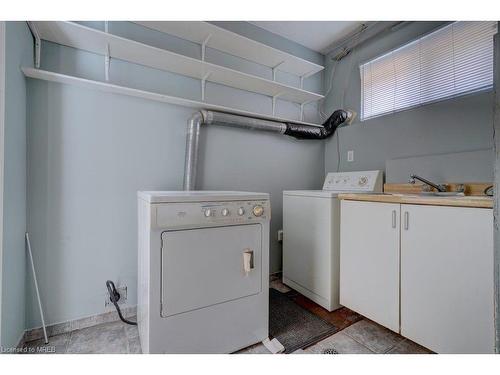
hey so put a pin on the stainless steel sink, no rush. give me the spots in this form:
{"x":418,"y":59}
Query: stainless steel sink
{"x":442,"y":194}
{"x":429,"y":194}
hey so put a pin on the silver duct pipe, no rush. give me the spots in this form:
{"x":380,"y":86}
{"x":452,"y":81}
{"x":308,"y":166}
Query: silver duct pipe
{"x":223,"y":119}
{"x":298,"y":131}
{"x":191,"y":158}
{"x":235,"y":121}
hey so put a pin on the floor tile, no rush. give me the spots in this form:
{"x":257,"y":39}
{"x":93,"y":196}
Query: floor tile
{"x":339,"y":343}
{"x":104,"y":338}
{"x":254,"y":349}
{"x":373,"y":336}
{"x":408,"y":347}
{"x":275,"y":276}
{"x":131,"y":331}
{"x":134,"y":345}
{"x":279,"y":286}
{"x":57,"y":345}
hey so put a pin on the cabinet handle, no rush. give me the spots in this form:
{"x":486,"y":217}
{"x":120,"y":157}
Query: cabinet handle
{"x":394,"y":218}
{"x":407,"y":220}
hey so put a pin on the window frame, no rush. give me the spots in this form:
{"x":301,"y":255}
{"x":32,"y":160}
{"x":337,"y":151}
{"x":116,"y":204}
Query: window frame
{"x":430,"y":102}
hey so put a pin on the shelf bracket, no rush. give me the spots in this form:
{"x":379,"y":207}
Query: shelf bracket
{"x":38,"y":43}
{"x":203,"y":84}
{"x":302,"y":77}
{"x":107,"y":55}
{"x":107,"y":60}
{"x":302,"y":108}
{"x":274,"y":100}
{"x":204,"y":46}
{"x":275,"y":68}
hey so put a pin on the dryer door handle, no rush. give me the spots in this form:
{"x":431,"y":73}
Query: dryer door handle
{"x":248,"y":263}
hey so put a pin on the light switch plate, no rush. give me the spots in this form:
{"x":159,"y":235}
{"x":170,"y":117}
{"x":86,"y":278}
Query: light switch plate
{"x":350,"y":155}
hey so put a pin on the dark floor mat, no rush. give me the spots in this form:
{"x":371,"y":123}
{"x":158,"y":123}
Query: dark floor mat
{"x":294,"y":326}
{"x":340,"y":318}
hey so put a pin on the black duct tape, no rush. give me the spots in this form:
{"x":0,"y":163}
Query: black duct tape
{"x":312,"y":132}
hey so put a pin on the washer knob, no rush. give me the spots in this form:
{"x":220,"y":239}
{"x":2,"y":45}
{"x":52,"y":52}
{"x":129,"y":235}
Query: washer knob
{"x":258,"y":210}
{"x":208,"y":212}
{"x":225,"y":212}
{"x":241,"y":211}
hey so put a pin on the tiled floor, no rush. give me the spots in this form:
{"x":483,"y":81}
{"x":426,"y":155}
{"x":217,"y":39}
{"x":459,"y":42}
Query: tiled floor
{"x":115,"y":337}
{"x":361,"y":336}
{"x":366,"y":337}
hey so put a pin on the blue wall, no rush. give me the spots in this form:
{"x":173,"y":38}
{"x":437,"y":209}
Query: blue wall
{"x":19,"y":52}
{"x":89,"y":152}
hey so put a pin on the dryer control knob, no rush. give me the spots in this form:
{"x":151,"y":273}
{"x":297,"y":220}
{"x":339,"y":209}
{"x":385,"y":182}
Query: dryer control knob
{"x":208,"y":212}
{"x":225,"y":212}
{"x":258,"y":210}
{"x":241,"y":211}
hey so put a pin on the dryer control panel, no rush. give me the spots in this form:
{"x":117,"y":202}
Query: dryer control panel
{"x":364,"y":181}
{"x":198,"y":214}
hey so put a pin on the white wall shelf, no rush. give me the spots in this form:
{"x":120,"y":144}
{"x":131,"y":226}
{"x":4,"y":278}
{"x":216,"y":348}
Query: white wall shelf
{"x":117,"y":89}
{"x":96,"y":41}
{"x":208,"y":35}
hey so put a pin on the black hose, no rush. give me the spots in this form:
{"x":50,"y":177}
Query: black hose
{"x":312,"y":132}
{"x":114,"y":297}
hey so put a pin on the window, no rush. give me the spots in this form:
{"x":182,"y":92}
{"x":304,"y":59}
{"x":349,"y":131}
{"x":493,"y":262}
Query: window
{"x":455,"y":60}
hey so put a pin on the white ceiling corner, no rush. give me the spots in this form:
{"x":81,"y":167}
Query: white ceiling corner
{"x":315,"y":35}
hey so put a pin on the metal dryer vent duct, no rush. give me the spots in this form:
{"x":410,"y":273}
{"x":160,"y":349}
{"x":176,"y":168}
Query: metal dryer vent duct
{"x":298,"y":131}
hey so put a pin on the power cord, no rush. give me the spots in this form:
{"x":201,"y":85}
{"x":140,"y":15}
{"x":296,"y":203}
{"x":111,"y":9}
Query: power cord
{"x":114,"y":297}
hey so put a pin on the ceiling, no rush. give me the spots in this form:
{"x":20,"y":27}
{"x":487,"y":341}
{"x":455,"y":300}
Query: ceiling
{"x":316,"y":35}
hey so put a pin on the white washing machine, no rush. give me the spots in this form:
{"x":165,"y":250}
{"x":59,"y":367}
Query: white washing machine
{"x":203,"y":277}
{"x":311,"y":234}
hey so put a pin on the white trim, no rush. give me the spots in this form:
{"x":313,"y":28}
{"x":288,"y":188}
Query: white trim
{"x":2,"y":133}
{"x":116,"y":89}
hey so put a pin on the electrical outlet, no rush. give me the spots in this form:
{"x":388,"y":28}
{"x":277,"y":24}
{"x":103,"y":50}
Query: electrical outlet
{"x":280,"y":235}
{"x":123,"y":296}
{"x":350,"y":155}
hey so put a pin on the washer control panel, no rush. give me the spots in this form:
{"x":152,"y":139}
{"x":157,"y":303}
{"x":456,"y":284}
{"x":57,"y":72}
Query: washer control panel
{"x":202,"y":213}
{"x":365,"y":181}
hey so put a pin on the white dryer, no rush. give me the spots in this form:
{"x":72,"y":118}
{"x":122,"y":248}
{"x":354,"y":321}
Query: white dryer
{"x":311,"y":234}
{"x":203,"y":277}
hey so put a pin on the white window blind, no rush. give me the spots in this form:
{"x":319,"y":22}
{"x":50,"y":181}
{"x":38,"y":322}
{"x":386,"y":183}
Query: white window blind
{"x":454,"y":60}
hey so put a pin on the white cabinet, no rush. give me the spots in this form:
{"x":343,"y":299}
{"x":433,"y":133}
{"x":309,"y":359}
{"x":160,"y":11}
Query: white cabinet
{"x":425,"y":271}
{"x":369,"y":260}
{"x":447,"y":278}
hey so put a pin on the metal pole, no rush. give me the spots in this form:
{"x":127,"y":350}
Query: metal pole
{"x":36,"y":287}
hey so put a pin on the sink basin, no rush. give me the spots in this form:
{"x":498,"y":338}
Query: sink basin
{"x":442,"y":194}
{"x":429,"y":194}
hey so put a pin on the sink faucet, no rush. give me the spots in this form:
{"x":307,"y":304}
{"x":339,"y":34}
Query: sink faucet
{"x":438,"y":187}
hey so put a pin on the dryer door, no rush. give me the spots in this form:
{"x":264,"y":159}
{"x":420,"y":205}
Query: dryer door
{"x":207,"y":266}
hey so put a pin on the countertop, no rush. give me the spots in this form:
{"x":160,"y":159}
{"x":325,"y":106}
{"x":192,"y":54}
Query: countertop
{"x":454,"y":201}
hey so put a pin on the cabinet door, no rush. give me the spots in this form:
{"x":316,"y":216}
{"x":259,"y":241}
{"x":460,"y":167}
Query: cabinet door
{"x":447,"y":278}
{"x":369,"y":260}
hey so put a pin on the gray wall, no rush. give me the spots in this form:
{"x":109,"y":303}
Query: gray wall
{"x":89,"y":152}
{"x":19,"y":52}
{"x":462,"y":124}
